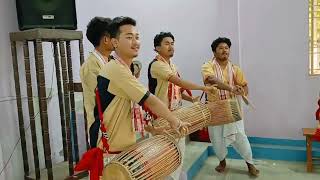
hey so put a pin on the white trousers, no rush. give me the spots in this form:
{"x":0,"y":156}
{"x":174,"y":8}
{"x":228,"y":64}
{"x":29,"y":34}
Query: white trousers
{"x":230,"y":134}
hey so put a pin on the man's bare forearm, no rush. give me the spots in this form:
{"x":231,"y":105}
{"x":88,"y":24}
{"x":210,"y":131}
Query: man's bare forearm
{"x":187,"y":97}
{"x":220,"y":85}
{"x":185,"y":84}
{"x":160,"y":109}
{"x":223,"y":86}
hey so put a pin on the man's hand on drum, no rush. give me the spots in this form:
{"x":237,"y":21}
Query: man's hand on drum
{"x":238,"y":90}
{"x":211,"y":80}
{"x":180,"y":126}
{"x":154,"y":130}
{"x":196,"y":99}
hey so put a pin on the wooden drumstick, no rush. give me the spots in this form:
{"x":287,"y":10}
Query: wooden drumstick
{"x":247,"y":101}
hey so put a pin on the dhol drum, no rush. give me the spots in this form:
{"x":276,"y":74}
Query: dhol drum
{"x":224,"y":112}
{"x":153,"y":158}
{"x":197,"y":115}
{"x":201,"y":115}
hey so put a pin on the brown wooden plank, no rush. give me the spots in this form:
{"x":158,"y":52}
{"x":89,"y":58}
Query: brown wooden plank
{"x":19,"y":107}
{"x":309,"y":153}
{"x":31,"y":109}
{"x":43,"y":105}
{"x":77,"y":87}
{"x":46,"y":35}
{"x":308,"y":131}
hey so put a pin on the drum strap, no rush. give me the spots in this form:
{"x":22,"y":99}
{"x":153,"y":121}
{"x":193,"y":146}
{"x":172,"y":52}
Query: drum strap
{"x":92,"y":160}
{"x":103,"y":128}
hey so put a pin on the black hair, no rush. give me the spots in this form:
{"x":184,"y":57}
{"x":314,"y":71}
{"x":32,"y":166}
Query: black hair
{"x":216,"y":43}
{"x":117,"y":22}
{"x":159,"y":37}
{"x":97,"y":28}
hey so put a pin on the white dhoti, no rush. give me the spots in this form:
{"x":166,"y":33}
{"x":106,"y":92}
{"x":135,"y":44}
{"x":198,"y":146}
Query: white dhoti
{"x":230,"y":134}
{"x":176,"y":174}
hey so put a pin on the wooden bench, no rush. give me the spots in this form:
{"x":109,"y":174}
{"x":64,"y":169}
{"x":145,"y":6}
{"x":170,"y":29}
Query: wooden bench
{"x":309,"y":132}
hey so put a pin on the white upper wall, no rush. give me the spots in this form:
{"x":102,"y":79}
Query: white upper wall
{"x":274,"y":56}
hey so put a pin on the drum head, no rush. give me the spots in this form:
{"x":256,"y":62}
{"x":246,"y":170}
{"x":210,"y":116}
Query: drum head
{"x":115,"y":171}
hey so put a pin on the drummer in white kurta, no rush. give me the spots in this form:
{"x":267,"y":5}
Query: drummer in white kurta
{"x":219,"y":68}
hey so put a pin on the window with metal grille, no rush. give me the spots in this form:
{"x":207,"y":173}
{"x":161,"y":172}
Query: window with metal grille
{"x":314,"y":37}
